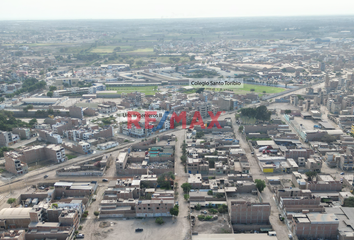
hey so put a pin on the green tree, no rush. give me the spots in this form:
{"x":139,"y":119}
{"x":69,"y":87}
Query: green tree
{"x":50,"y":94}
{"x":174,"y":211}
{"x":2,"y":99}
{"x":186,"y":197}
{"x":139,"y":62}
{"x":213,"y":210}
{"x":260,"y":184}
{"x":11,"y":200}
{"x":349,"y":202}
{"x":32,"y":122}
{"x":198,"y":207}
{"x":96,"y":213}
{"x":222,"y":208}
{"x":199,"y":134}
{"x":200,"y":90}
{"x":210,"y":192}
{"x":164,"y":180}
{"x":159,"y":220}
{"x":183,"y":158}
{"x":310,"y":175}
{"x":186,"y":187}
{"x":240,"y":128}
{"x":52,"y":88}
{"x":300,"y":97}
{"x":4,"y":149}
{"x":287,"y":111}
{"x":50,"y":111}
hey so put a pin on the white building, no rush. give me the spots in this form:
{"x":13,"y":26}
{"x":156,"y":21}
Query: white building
{"x":107,"y":145}
{"x":86,"y":147}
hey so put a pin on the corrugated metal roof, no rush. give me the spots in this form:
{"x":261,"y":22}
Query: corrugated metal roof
{"x":15,"y":213}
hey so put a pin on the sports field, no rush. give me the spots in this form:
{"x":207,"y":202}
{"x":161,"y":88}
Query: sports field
{"x":258,"y":89}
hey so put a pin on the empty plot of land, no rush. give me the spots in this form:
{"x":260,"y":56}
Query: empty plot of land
{"x":118,"y":229}
{"x":221,"y":225}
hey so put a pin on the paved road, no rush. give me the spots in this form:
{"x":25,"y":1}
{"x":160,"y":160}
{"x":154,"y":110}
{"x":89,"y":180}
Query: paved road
{"x":38,"y":174}
{"x":267,"y":195}
{"x":182,"y":177}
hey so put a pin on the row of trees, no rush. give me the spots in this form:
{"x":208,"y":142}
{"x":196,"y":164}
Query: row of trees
{"x":221,"y":209}
{"x":8,"y":121}
{"x":260,"y":113}
{"x":29,"y":85}
{"x":184,"y":152}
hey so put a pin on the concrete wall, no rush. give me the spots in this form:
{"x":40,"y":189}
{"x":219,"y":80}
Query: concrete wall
{"x":243,"y":212}
{"x":249,"y":227}
{"x":81,"y":173}
{"x":108,"y":95}
{"x":329,"y":186}
{"x":246,"y":188}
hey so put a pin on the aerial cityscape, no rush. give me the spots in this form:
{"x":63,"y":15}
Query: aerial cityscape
{"x":177,"y":128}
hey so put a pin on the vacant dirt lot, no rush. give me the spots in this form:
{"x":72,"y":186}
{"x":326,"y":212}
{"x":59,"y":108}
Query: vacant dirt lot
{"x":220,"y":225}
{"x":116,"y":229}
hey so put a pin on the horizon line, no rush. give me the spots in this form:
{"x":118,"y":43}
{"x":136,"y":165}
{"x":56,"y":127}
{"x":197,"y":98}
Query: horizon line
{"x":174,"y":18}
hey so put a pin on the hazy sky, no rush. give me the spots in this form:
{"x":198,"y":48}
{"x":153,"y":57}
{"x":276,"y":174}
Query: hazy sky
{"x":131,"y":9}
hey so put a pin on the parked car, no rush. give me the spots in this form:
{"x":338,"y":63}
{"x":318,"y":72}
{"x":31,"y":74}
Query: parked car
{"x":45,"y":176}
{"x":342,"y":173}
{"x":80,"y":235}
{"x":105,"y":180}
{"x":139,"y":230}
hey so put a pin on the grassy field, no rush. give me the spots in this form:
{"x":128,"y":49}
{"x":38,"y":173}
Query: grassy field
{"x":258,"y":89}
{"x":149,"y":90}
{"x":103,"y":49}
{"x":70,"y":156}
{"x":143,"y":50}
